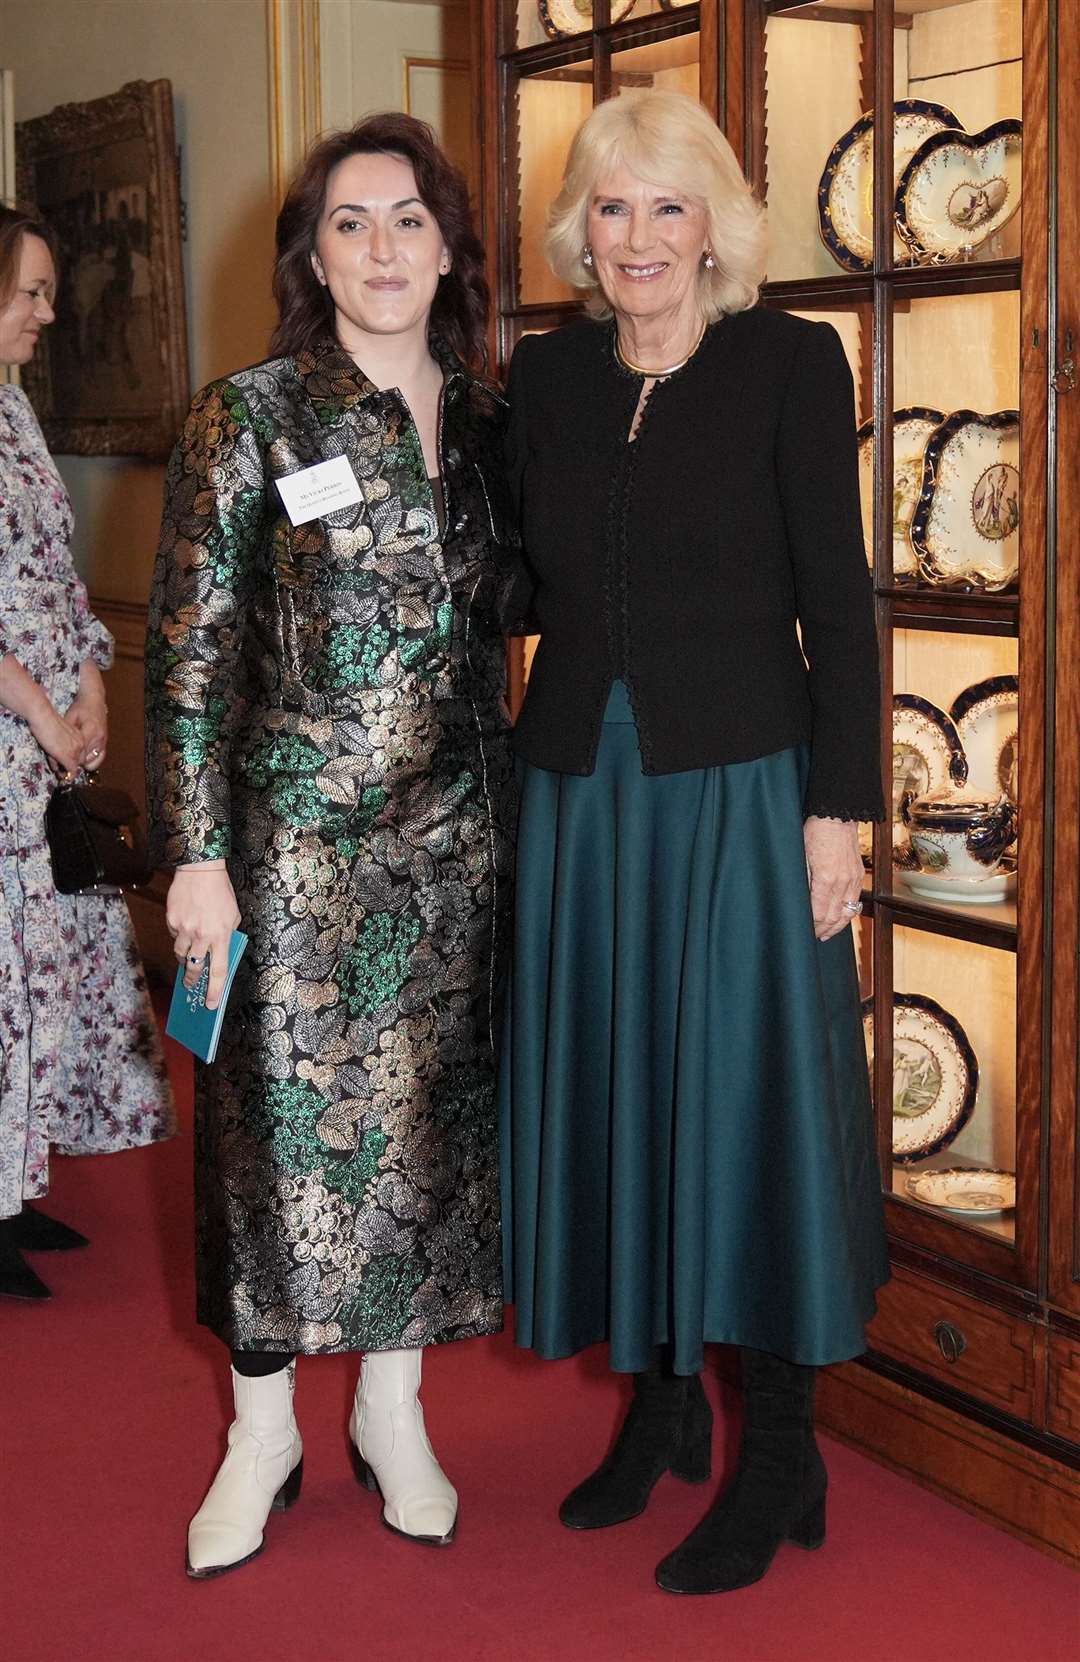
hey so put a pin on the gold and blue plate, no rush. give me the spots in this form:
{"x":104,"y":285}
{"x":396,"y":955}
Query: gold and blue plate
{"x":912,"y":426}
{"x":958,"y":189}
{"x":846,"y":187}
{"x":935,"y":1075}
{"x":965,"y":529}
{"x":976,"y":1191}
{"x":562,"y":18}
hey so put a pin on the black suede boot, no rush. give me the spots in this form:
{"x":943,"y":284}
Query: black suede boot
{"x":35,"y":1231}
{"x":668,"y":1429}
{"x":17,"y":1279}
{"x":778,"y":1492}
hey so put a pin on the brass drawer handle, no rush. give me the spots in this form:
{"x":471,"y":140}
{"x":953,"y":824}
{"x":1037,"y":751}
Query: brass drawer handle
{"x":950,"y":1341}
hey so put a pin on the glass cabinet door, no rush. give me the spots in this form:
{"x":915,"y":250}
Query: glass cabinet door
{"x":557,"y":59}
{"x":918,"y":239}
{"x":910,"y":242}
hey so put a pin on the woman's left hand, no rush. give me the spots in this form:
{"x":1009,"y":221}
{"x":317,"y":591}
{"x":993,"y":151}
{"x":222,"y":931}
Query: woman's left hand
{"x":88,"y":714}
{"x":836,"y":873}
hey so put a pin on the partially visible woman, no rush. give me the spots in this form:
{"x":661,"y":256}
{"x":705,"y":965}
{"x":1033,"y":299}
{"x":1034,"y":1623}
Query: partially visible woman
{"x":329,"y":763}
{"x":688,"y":1122}
{"x":82,"y":1069}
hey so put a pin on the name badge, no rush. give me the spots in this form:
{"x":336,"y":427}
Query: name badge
{"x":321,"y":489}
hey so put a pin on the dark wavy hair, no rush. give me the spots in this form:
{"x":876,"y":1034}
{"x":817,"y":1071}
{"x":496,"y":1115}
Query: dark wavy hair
{"x":16,"y":223}
{"x":459,"y":311}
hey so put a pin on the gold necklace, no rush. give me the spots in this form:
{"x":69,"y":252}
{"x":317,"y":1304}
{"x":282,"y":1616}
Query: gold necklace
{"x":656,"y":374}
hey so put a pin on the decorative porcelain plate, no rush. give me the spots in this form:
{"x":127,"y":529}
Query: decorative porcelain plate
{"x":968,"y":891}
{"x":926,"y":756}
{"x":935,"y":1075}
{"x":987,"y":718}
{"x":570,"y":17}
{"x":960,"y":1190}
{"x":958,"y":188}
{"x":911,"y":429}
{"x":966,"y":524}
{"x":846,"y":187}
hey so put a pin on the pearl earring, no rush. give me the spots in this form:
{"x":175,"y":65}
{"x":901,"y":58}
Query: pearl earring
{"x":710,"y":263}
{"x":586,"y":256}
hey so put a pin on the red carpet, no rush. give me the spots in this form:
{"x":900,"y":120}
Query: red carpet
{"x":114,"y":1410}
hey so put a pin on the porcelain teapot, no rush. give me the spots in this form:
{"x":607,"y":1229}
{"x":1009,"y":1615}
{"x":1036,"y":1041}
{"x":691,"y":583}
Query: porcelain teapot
{"x":959,"y":833}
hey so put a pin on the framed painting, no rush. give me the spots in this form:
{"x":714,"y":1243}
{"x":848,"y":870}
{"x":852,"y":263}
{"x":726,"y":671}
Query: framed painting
{"x":110,"y":377}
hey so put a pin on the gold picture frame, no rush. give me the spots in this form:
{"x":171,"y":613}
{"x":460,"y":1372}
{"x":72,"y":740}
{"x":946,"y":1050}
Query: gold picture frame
{"x":111,"y":375}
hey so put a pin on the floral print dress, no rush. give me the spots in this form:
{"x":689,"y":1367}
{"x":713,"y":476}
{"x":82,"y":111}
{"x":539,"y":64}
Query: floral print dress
{"x":81,"y":1066}
{"x":325,"y":711}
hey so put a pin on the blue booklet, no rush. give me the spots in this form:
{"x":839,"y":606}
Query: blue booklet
{"x":190,"y":1021}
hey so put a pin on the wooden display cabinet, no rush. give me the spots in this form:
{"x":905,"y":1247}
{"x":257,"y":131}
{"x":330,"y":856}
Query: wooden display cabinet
{"x":972,"y":1380}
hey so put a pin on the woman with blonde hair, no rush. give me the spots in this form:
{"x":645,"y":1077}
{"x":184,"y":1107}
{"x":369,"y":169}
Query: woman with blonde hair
{"x":687,"y":1122}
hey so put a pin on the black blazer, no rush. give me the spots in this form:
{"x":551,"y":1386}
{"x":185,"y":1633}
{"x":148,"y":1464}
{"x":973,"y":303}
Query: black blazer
{"x":687,"y":561}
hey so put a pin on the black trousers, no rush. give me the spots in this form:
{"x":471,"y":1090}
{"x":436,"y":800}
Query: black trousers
{"x":257,"y":1364}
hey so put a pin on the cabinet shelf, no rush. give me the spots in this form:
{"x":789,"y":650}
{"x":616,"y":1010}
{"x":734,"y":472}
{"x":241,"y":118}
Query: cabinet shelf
{"x":934,"y":282}
{"x":841,"y":288}
{"x":908,"y":282}
{"x":950,"y":918}
{"x":951,"y":610}
{"x":615,"y":37}
{"x":549,"y":54}
{"x":640,"y":31}
{"x":999,"y":1227}
{"x":808,"y":9}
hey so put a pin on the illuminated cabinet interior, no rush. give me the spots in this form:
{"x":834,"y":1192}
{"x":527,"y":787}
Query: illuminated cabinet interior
{"x":936,"y":244}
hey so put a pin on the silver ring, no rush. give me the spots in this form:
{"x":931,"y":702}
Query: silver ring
{"x":853,"y":906}
{"x":194,"y":960}
{"x":94,"y":752}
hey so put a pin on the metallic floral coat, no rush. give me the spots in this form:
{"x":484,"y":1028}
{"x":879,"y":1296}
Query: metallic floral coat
{"x":325,"y":710}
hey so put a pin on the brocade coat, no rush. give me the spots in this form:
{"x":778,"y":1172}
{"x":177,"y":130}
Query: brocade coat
{"x":325,"y":710}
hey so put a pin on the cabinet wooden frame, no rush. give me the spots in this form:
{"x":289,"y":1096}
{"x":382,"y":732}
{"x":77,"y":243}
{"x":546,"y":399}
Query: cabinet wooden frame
{"x":891,"y":1407}
{"x":879,"y":294}
{"x":1063,"y":1170}
{"x":1034,"y":1282}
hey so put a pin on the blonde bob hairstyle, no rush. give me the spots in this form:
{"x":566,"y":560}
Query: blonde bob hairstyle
{"x":668,"y":140}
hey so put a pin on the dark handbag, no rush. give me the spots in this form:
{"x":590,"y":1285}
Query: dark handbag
{"x":93,"y":838}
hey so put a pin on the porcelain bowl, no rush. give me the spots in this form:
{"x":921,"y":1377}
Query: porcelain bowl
{"x":959,"y":834}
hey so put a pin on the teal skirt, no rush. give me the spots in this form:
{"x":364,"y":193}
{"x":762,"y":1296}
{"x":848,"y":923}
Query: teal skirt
{"x":688,"y":1145}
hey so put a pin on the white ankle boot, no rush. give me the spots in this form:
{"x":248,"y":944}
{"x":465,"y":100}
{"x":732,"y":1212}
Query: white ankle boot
{"x":393,"y":1454}
{"x":261,"y":1472}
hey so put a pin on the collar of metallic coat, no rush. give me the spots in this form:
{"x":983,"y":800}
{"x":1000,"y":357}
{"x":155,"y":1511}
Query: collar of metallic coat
{"x":331,"y":376}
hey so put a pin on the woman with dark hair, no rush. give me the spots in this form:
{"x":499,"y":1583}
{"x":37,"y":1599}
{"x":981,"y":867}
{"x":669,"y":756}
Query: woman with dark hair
{"x":81,"y":1068}
{"x":329,"y":771}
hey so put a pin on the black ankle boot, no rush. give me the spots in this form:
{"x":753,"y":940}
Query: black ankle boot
{"x":668,"y":1429}
{"x":778,"y":1492}
{"x":17,"y":1279}
{"x":35,"y":1231}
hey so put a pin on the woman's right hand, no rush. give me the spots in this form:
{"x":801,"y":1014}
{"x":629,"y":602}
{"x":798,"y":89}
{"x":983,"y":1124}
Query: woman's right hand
{"x":201,"y":914}
{"x":59,"y":738}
